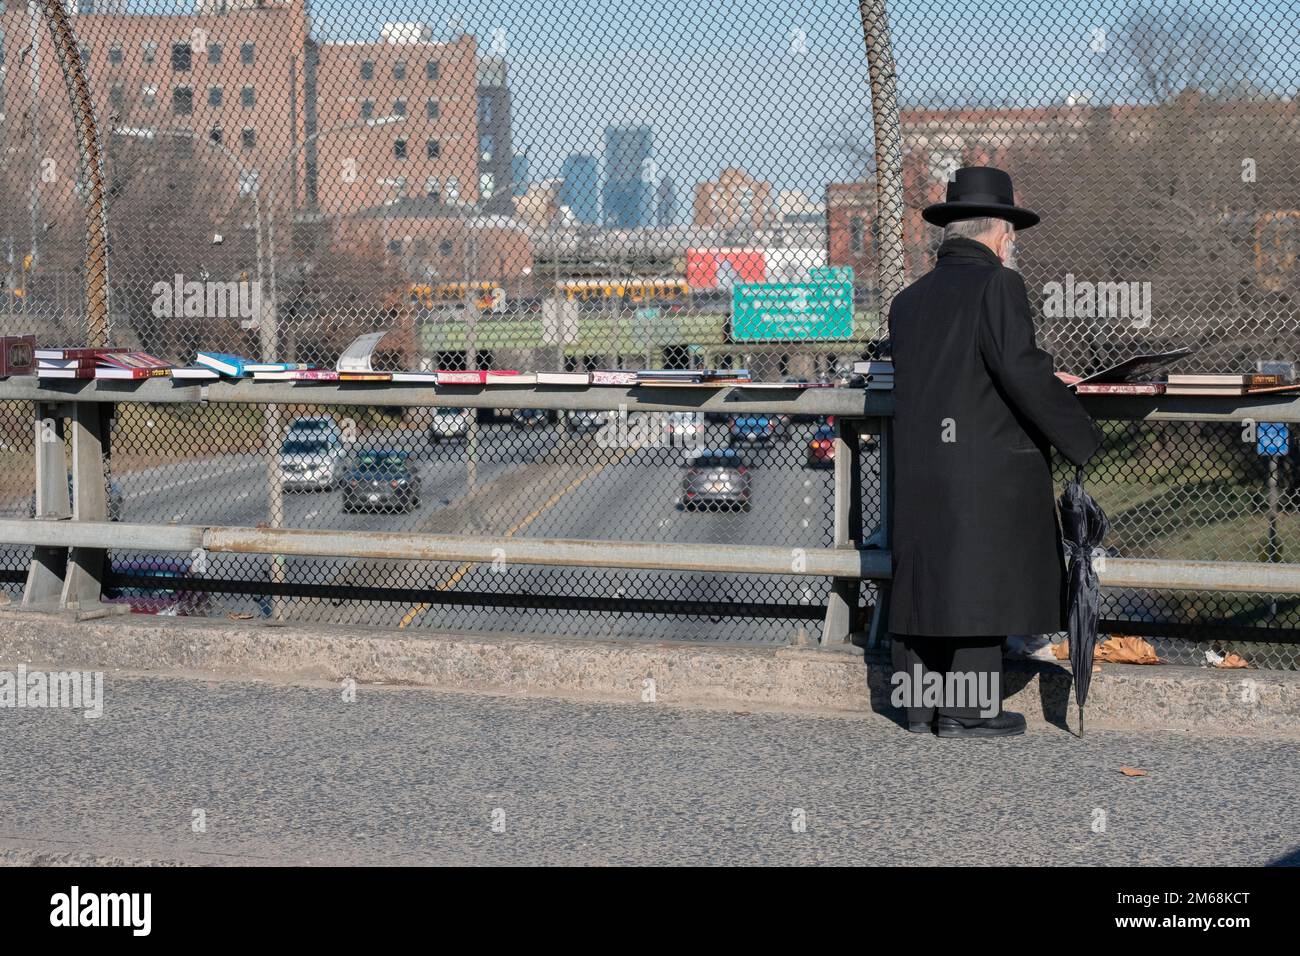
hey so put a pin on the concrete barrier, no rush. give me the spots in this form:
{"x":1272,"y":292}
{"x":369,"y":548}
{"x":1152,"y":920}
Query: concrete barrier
{"x":797,"y":679}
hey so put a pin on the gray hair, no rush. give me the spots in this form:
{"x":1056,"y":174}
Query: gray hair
{"x":974,"y":228}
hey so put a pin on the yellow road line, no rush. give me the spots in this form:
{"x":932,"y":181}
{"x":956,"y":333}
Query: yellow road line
{"x":454,"y":578}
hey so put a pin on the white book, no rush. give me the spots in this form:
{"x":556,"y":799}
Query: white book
{"x":422,"y":378}
{"x":190,"y":372}
{"x":613,"y":376}
{"x":510,"y":378}
{"x":563,"y":378}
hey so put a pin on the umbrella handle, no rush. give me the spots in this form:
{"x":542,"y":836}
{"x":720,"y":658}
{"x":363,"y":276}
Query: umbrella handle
{"x":1080,"y":720}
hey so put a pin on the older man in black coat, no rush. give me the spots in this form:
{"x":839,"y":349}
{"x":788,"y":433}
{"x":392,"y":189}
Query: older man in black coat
{"x":977,"y":548}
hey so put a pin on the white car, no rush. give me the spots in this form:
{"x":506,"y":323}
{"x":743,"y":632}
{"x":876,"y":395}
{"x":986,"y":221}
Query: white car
{"x":685,"y":428}
{"x":449,"y":423}
{"x":311,"y":464}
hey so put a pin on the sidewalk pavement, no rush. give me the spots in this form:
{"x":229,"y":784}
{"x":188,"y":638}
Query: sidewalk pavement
{"x":229,"y":772}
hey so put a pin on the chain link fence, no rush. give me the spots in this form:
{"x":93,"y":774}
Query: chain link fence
{"x":539,"y":186}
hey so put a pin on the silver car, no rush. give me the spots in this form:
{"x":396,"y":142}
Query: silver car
{"x":311,"y":464}
{"x":716,"y":480}
{"x":586,"y":421}
{"x":449,"y":423}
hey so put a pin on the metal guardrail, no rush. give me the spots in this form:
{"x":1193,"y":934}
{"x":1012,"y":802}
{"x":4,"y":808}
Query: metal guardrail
{"x":68,"y":563}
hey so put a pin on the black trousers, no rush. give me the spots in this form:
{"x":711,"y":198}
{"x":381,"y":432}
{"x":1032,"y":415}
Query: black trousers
{"x":981,"y":656}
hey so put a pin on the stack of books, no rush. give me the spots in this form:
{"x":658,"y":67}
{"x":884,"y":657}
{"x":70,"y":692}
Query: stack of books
{"x":1248,"y":383}
{"x":99,"y":363}
{"x":879,"y":376}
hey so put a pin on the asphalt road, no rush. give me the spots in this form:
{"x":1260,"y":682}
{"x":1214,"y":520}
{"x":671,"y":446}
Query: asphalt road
{"x":527,"y":482}
{"x":289,"y":774}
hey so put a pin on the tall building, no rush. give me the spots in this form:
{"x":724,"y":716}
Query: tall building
{"x":630,"y":176}
{"x":496,"y":153}
{"x":580,"y":188}
{"x":397,"y":119}
{"x":666,"y":203}
{"x":519,"y":173}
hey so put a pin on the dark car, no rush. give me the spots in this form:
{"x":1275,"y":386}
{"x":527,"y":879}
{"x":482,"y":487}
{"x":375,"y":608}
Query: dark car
{"x":114,"y":503}
{"x":381,"y":479}
{"x":151,"y":588}
{"x":821,"y":448}
{"x":754,"y":429}
{"x":530,"y":417}
{"x":715,"y":479}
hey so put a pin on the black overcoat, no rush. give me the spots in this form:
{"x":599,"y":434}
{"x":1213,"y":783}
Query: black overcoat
{"x":976,"y":543}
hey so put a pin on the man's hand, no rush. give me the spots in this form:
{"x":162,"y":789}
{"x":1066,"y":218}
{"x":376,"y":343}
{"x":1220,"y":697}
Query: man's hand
{"x":1069,"y":379}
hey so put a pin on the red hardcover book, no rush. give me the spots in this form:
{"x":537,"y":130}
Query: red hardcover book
{"x":461,"y":377}
{"x":78,"y":353}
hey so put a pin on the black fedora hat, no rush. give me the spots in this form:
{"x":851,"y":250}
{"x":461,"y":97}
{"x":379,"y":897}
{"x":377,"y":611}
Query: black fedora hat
{"x":977,"y":192}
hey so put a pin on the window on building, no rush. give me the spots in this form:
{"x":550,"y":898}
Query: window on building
{"x":215,"y":135}
{"x":445,"y":248}
{"x":485,"y":147}
{"x":182,"y":56}
{"x":148,"y":95}
{"x":433,"y":188}
{"x":367,"y":69}
{"x":399,"y":70}
{"x":214,"y":53}
{"x":83,"y":51}
{"x":453,"y":189}
{"x":399,"y":148}
{"x":856,"y":235}
{"x":485,"y":112}
{"x":182,"y":101}
{"x":115,"y":54}
{"x":246,"y":54}
{"x":367,"y":109}
{"x":214,"y":96}
{"x":486,"y":186}
{"x":432,"y":148}
{"x":399,"y":107}
{"x":431,"y":69}
{"x":431,"y":109}
{"x":149,"y":51}
{"x":248,"y":138}
{"x":246,"y":98}
{"x":116,"y":97}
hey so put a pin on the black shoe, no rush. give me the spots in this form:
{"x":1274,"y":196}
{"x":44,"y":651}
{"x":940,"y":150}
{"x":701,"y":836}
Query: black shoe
{"x":1005,"y":724}
{"x":920,"y":727}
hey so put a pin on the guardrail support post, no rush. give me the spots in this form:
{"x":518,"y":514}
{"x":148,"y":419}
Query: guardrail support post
{"x":48,"y":565}
{"x":878,"y":631}
{"x":842,"y":603}
{"x":83,"y":583}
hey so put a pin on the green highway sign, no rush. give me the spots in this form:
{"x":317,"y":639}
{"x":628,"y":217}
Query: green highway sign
{"x":792,"y":311}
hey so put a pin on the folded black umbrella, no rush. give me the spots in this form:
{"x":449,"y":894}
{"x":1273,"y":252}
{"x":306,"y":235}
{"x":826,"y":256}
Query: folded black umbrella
{"x":1083,"y":526}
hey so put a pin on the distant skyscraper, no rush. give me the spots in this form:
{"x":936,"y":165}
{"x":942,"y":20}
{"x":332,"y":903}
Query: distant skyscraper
{"x":580,"y":188}
{"x":519,"y":173}
{"x":665,"y":203}
{"x":630,"y":177}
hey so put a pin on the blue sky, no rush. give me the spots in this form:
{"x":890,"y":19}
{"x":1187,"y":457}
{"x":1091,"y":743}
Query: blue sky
{"x":771,"y":87}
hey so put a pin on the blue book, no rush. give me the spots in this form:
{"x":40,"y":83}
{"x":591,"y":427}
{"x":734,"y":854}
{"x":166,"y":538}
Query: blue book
{"x":232,"y":366}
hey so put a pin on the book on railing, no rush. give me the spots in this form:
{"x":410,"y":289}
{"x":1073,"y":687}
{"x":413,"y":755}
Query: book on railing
{"x":460,"y":377}
{"x":563,"y":378}
{"x":231,"y":366}
{"x":1136,"y":368}
{"x":416,"y":378}
{"x":1220,"y":383}
{"x":509,"y":377}
{"x":1121,"y":388}
{"x":296,"y":375}
{"x":74,"y":371}
{"x":1269,"y":389}
{"x":77,"y":353}
{"x":195,"y":372}
{"x":613,"y":376}
{"x":131,"y":365}
{"x":344,"y":376}
{"x":17,"y":355}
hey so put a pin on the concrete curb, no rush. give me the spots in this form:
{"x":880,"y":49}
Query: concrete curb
{"x":794,"y":679}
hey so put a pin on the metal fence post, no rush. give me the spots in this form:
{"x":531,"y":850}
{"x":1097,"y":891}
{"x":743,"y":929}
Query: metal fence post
{"x":83,"y":583}
{"x":842,"y":602}
{"x":889,"y":150}
{"x":48,"y":566}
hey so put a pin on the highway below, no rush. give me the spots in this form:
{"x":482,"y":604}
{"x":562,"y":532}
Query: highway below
{"x":535,"y":482}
